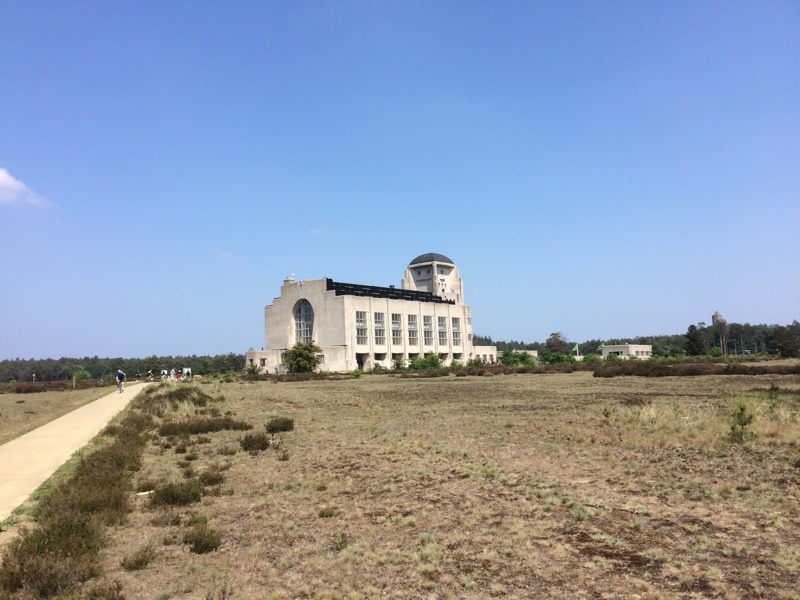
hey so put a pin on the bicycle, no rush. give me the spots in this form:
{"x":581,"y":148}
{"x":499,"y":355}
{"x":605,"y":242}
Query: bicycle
{"x":119,"y":385}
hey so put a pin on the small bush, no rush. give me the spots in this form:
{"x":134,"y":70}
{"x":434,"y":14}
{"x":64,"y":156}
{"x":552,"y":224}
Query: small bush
{"x":177,"y":494}
{"x":254,"y":442}
{"x":139,"y":559}
{"x":278,"y":424}
{"x":145,"y":485}
{"x":326,"y":512}
{"x":339,"y":540}
{"x":741,"y":417}
{"x":211,"y":477}
{"x":592,"y":359}
{"x":355,"y":374}
{"x":202,"y":538}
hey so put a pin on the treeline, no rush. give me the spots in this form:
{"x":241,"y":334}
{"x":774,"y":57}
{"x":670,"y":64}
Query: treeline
{"x":50,"y":369}
{"x":721,"y":338}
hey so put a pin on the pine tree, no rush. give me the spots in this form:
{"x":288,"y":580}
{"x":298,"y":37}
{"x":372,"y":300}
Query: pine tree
{"x":695,"y":344}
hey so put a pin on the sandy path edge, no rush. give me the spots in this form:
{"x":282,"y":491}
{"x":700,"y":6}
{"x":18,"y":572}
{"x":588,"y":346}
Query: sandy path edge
{"x":29,"y":460}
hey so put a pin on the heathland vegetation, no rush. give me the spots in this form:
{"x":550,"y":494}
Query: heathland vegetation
{"x":516,"y":482}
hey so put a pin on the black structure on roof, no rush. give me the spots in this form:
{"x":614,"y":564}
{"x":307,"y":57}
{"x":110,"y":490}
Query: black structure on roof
{"x":430,"y":257}
{"x":373,"y":291}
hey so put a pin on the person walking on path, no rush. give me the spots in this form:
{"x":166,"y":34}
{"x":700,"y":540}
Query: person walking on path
{"x":120,"y":380}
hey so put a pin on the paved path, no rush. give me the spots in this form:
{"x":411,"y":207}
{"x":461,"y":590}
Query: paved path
{"x":27,"y":461}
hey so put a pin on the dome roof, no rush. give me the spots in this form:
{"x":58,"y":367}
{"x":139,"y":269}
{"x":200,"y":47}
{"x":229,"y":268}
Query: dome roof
{"x":430,"y":257}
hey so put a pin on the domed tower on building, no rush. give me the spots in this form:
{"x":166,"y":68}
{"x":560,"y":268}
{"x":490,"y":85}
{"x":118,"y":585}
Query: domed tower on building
{"x":436,"y":274}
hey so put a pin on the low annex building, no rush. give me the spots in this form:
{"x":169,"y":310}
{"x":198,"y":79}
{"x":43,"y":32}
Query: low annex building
{"x":361,"y":326}
{"x":628,"y":350}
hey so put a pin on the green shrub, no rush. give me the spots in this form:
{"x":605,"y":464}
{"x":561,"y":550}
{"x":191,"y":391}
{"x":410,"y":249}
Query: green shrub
{"x":430,"y":361}
{"x":254,"y":442}
{"x":512,"y":358}
{"x":456,"y":364}
{"x":139,"y":559}
{"x":355,"y":374}
{"x":177,"y":494}
{"x":252,"y":370}
{"x":340,"y":541}
{"x":278,"y":424}
{"x":211,"y":477}
{"x":741,"y":417}
{"x":592,"y":359}
{"x":202,"y":538}
{"x":302,"y":358}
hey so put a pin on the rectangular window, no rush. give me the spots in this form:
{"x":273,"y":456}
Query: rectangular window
{"x":469,"y":320}
{"x":427,"y":328}
{"x":456,"y":324}
{"x":469,"y":337}
{"x":456,"y":338}
{"x":321,"y":358}
{"x":263,"y":362}
{"x":361,"y":327}
{"x":380,"y":329}
{"x":397,"y":329}
{"x":413,"y":334}
{"x":442,"y":327}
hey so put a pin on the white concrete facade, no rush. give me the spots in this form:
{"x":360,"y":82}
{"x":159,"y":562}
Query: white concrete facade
{"x":360,"y":326}
{"x":629,"y":350}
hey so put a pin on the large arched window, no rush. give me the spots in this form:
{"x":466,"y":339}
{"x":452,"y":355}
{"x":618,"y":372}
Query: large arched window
{"x":303,"y":322}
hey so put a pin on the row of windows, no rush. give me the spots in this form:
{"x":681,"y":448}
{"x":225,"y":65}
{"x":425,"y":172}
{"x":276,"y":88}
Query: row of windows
{"x":379,"y":329}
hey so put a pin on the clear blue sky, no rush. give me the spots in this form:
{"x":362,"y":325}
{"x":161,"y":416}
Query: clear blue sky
{"x":604,"y":169}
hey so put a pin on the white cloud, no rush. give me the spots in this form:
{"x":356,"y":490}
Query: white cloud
{"x":12,"y":191}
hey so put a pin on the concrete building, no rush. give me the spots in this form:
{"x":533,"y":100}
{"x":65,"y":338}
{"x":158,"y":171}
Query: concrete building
{"x":360,"y":326}
{"x":629,"y":350}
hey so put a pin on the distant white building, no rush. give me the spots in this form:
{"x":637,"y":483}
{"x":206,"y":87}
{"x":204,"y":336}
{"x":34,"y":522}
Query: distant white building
{"x":628,"y":350}
{"x":360,"y":326}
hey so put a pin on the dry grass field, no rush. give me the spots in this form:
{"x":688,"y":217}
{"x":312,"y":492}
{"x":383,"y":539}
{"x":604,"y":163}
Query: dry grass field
{"x":21,"y":413}
{"x":510,"y":486}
